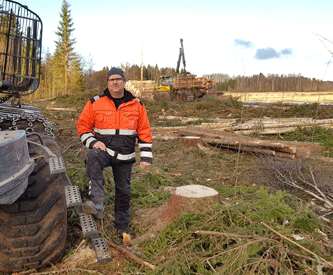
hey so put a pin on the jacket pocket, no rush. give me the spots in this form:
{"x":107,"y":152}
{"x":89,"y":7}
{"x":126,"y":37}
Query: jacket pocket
{"x":103,"y":116}
{"x":131,"y":120}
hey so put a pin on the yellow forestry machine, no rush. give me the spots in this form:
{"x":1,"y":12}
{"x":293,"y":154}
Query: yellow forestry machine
{"x":184,"y":86}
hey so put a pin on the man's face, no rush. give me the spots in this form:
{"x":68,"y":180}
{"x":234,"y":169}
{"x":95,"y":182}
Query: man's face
{"x":116,"y":85}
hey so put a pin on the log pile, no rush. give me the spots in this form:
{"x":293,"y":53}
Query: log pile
{"x":286,"y":149}
{"x":260,"y":126}
{"x":192,"y":81}
{"x":278,"y":125}
{"x":142,"y":89}
{"x":268,"y":125}
{"x":147,"y":93}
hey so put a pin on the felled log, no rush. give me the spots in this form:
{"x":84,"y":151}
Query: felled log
{"x":267,"y":125}
{"x":164,"y":138}
{"x":288,"y":149}
{"x":255,"y":150}
{"x":280,"y":123}
{"x":189,"y":198}
{"x":266,"y":131}
{"x":230,"y":139}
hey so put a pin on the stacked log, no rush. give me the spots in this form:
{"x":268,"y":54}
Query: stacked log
{"x":142,"y":89}
{"x":147,"y":93}
{"x":130,"y":87}
{"x":287,"y":149}
{"x":192,"y":81}
{"x":211,"y":82}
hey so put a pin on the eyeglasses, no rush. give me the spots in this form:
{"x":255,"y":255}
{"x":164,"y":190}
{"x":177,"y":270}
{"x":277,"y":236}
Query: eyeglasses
{"x":119,"y":80}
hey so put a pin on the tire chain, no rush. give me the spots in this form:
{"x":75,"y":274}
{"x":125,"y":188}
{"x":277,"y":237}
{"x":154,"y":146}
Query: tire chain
{"x":30,"y":118}
{"x":5,"y":98}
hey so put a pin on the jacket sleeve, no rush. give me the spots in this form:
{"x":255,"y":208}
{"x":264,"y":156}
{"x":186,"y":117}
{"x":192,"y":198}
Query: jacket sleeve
{"x":144,"y":136}
{"x":85,"y":125}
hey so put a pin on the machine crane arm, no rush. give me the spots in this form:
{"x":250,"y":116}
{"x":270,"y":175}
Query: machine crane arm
{"x":181,"y":56}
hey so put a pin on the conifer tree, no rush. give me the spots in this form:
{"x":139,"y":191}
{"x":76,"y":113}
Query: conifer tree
{"x":67,"y":66}
{"x":46,"y":77}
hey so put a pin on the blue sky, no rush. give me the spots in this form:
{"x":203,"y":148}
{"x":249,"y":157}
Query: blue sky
{"x":238,"y":37}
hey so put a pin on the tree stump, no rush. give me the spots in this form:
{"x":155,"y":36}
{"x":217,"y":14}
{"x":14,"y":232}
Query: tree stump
{"x":192,"y":141}
{"x":190,"y":198}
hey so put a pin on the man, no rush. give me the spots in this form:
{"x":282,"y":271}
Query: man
{"x":109,"y":125}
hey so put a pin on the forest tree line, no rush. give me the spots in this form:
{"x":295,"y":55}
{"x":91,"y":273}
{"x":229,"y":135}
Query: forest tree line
{"x":255,"y":83}
{"x":274,"y":83}
{"x":63,"y":72}
{"x":96,"y":80}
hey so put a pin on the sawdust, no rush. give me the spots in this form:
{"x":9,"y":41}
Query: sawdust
{"x":83,"y":255}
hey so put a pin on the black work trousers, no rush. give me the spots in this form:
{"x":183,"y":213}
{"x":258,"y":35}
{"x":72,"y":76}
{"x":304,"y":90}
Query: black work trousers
{"x":96,"y":161}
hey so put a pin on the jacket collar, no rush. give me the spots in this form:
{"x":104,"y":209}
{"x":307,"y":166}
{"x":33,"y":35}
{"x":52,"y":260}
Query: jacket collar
{"x":127,"y":95}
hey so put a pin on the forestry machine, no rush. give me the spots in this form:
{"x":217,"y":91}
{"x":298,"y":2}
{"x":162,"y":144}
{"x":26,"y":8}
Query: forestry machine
{"x":184,"y":86}
{"x":34,"y":188}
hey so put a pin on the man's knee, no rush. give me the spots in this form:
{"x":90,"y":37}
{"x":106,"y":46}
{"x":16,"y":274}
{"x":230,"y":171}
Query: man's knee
{"x":95,"y":163}
{"x":93,"y":155}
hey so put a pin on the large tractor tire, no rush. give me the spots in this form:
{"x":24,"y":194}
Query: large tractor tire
{"x":33,"y":230}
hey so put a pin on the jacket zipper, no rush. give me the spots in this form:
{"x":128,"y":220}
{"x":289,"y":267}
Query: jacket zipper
{"x":117,"y":143}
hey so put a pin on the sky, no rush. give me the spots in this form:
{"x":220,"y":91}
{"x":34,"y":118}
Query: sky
{"x":239,"y":37}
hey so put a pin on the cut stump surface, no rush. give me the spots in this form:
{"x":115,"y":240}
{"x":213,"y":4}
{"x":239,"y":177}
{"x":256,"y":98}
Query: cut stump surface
{"x":190,"y":198}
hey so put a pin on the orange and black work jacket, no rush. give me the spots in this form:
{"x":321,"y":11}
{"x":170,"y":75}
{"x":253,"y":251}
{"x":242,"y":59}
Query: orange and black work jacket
{"x":118,"y":128}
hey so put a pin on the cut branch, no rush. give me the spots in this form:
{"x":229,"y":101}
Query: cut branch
{"x":293,"y":176}
{"x":308,"y":259}
{"x":222,"y":234}
{"x":300,"y":246}
{"x":130,"y":255}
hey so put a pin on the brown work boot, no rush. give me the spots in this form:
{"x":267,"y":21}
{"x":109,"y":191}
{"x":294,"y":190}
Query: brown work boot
{"x":97,"y":210}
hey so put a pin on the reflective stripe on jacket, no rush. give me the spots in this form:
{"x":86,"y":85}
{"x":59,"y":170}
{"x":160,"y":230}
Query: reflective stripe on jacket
{"x":119,"y":128}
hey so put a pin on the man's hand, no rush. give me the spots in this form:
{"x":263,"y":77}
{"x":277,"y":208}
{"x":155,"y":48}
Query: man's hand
{"x":99,"y":145}
{"x":144,"y":165}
